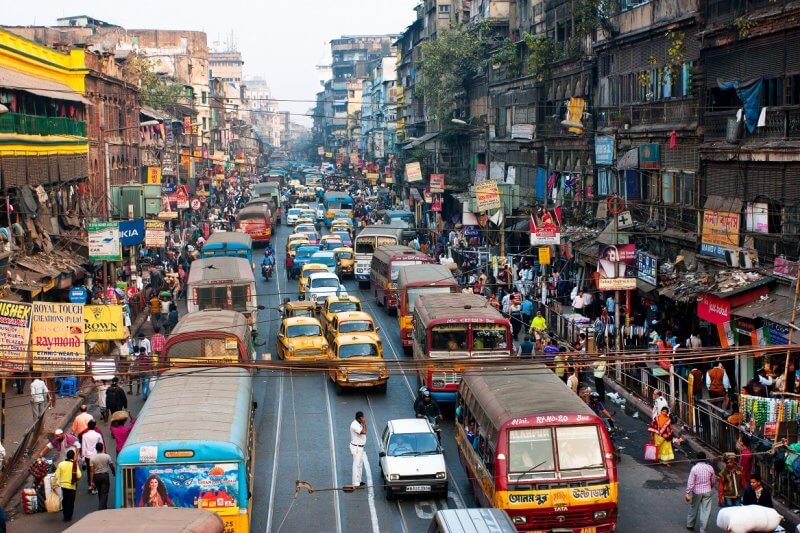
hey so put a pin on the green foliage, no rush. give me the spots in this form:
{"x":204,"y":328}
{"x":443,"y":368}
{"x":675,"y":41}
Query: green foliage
{"x":744,"y":25}
{"x":541,"y":52}
{"x":507,"y":56}
{"x":154,"y":91}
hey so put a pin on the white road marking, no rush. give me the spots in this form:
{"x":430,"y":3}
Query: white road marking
{"x":378,"y":443}
{"x":371,"y":496}
{"x":275,"y":455}
{"x":333,"y":454}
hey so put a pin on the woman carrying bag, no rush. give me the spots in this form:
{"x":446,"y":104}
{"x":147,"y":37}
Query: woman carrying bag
{"x":661,"y":430}
{"x":66,"y":476}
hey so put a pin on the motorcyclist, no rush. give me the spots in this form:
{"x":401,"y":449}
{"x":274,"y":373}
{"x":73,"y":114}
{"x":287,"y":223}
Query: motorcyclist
{"x":428,"y":408}
{"x":599,"y":409}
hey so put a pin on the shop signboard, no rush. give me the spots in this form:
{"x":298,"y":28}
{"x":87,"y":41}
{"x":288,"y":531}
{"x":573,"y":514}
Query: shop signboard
{"x":57,"y":337}
{"x":15,"y":331}
{"x":523,"y":131}
{"x":182,"y":197}
{"x":647,"y":267}
{"x":720,"y":232}
{"x":373,"y":177}
{"x":437,"y":183}
{"x":650,"y":156}
{"x":616,"y":266}
{"x":153,"y":174}
{"x":168,"y":164}
{"x":544,"y":255}
{"x":413,"y":172}
{"x":167,"y":188}
{"x":783,"y":268}
{"x":104,"y":241}
{"x":131,"y":232}
{"x":487,"y":196}
{"x":547,"y":232}
{"x":604,"y":150}
{"x":713,"y":309}
{"x":78,"y":295}
{"x":210,"y":486}
{"x":155,"y":234}
{"x":103,"y":322}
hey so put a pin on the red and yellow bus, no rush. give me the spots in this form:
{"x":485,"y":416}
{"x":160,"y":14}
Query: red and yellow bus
{"x":413,"y":281}
{"x":256,"y":221}
{"x":455,"y":326}
{"x":533,"y":448}
{"x":385,"y":268}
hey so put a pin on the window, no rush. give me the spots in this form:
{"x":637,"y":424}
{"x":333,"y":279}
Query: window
{"x":530,"y":454}
{"x":668,"y":188}
{"x":579,"y":451}
{"x":412,"y":293}
{"x":212,"y":297}
{"x":451,"y":337}
{"x":303,"y":330}
{"x":773,"y":92}
{"x":606,"y":183}
{"x":204,"y":97}
{"x":239,"y":297}
{"x":358,"y":350}
{"x":792,"y":89}
{"x":444,"y":8}
{"x":205,"y":123}
{"x":489,"y":337}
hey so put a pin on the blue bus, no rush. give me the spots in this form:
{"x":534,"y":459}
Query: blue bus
{"x":193,"y":450}
{"x":228,"y":244}
{"x":336,"y":201}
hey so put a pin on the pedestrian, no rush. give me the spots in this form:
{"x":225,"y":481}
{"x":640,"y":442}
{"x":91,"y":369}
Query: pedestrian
{"x":717,"y":381}
{"x":81,"y":422}
{"x":172,"y":318}
{"x":661,"y":433}
{"x":120,"y":429}
{"x":102,"y":387}
{"x":745,"y":459}
{"x":40,"y":398}
{"x":527,"y":312}
{"x":155,"y":311}
{"x":698,"y":493}
{"x":66,"y":476}
{"x":358,"y":439}
{"x":62,"y":442}
{"x":572,"y":381}
{"x":550,"y":351}
{"x":526,"y":347}
{"x":659,"y":402}
{"x":89,"y":440}
{"x":757,"y":493}
{"x":539,"y":323}
{"x":157,"y":342}
{"x":599,"y":370}
{"x":729,"y":486}
{"x":116,"y":400}
{"x":100,"y":466}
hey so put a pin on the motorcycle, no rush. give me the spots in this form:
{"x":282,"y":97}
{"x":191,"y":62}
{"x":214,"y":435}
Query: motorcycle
{"x":434,"y":422}
{"x":266,"y":271}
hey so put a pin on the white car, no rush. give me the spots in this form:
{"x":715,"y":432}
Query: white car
{"x":320,"y":212}
{"x":292,"y":215}
{"x":322,"y":285}
{"x":411,"y":459}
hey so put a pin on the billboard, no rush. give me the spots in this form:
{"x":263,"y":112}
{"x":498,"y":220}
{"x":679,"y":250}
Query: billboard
{"x":15,"y":331}
{"x":57,"y":337}
{"x":720,"y":232}
{"x":616,"y":266}
{"x":413,"y":172}
{"x":487,"y":196}
{"x":104,"y":241}
{"x":547,"y":231}
{"x":210,"y":486}
{"x":604,"y":150}
{"x":103,"y":322}
{"x":436,"y":183}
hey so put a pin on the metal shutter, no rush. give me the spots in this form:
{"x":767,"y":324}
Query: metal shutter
{"x":723,"y":179}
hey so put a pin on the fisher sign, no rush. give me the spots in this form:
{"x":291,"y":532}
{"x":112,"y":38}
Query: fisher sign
{"x":487,"y":196}
{"x":15,"y":330}
{"x":57,"y":338}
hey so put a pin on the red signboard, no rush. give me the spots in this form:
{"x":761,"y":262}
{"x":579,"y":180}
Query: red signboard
{"x":717,"y":310}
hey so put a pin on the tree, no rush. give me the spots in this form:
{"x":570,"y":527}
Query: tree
{"x":154,"y":90}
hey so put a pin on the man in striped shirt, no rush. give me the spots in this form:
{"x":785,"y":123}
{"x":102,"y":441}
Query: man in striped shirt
{"x":699,"y":492}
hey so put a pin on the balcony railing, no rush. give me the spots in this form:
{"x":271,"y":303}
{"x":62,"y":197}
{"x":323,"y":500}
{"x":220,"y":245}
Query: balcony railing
{"x":663,"y":112}
{"x":782,"y":123}
{"x":37,"y":125}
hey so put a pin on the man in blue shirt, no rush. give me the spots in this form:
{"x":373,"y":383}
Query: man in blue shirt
{"x":526,"y":347}
{"x":550,"y":351}
{"x":610,"y":304}
{"x":526,"y":307}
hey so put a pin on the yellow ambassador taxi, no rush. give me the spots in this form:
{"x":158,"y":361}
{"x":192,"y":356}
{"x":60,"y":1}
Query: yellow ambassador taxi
{"x":351,"y":322}
{"x":346,"y":259}
{"x":304,"y":220}
{"x":360,"y":362}
{"x":342,"y":225}
{"x":306,"y":271}
{"x":300,"y":337}
{"x":340,"y":304}
{"x":295,"y":240}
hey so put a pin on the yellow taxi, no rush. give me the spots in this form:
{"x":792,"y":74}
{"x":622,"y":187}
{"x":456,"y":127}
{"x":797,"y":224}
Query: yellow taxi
{"x":346,"y":261}
{"x":296,"y":240}
{"x":360,"y":363}
{"x":340,"y":304}
{"x":290,"y":308}
{"x":300,"y":205}
{"x":341,"y":225}
{"x":305,"y":220}
{"x":353,"y":322}
{"x":300,"y":337}
{"x":307,"y":270}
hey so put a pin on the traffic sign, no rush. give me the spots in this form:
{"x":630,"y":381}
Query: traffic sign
{"x":195,"y":204}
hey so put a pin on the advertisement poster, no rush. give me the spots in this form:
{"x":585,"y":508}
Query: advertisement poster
{"x":154,"y":175}
{"x":104,"y":242}
{"x":57,"y":338}
{"x":210,"y":486}
{"x":547,"y":231}
{"x":15,"y":331}
{"x":544,"y":255}
{"x":103,"y":322}
{"x":131,"y":232}
{"x":604,"y":150}
{"x":646,"y":268}
{"x":437,"y":183}
{"x":182,"y":197}
{"x":720,"y":232}
{"x":413,"y":172}
{"x":487,"y":196}
{"x":155,"y":234}
{"x":616,"y":266}
{"x":757,"y":217}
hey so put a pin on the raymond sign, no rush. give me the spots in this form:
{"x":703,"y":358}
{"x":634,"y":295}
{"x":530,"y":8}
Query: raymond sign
{"x":155,"y":235}
{"x":413,"y":172}
{"x":437,"y":183}
{"x":15,"y":331}
{"x":720,"y":232}
{"x":487,"y":196}
{"x":57,"y":338}
{"x":103,"y":322}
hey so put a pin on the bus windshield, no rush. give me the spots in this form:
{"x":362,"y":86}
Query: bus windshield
{"x":365,"y":245}
{"x":489,"y":337}
{"x":449,"y":337}
{"x":579,"y":451}
{"x":531,"y":454}
{"x":413,"y":292}
{"x":358,"y":350}
{"x":304,"y":330}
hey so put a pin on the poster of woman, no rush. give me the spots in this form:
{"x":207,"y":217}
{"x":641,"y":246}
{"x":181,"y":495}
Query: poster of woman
{"x":616,"y":262}
{"x":154,"y":493}
{"x":212,"y":486}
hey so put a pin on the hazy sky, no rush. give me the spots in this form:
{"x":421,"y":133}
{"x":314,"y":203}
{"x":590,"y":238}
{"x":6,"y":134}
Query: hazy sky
{"x":281,"y":41}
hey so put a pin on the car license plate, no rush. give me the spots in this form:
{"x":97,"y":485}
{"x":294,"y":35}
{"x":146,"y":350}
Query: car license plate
{"x":418,"y":488}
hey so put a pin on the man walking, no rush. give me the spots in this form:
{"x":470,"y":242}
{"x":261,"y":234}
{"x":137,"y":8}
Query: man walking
{"x":717,"y":381}
{"x":40,"y":397}
{"x":89,"y":441}
{"x":698,"y":493}
{"x":731,"y":485}
{"x":358,"y":439}
{"x":100,"y":466}
{"x":81,"y":421}
{"x":116,"y":400}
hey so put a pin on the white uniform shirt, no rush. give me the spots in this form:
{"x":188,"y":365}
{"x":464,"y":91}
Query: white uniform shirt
{"x":38,"y":391}
{"x":355,"y":434}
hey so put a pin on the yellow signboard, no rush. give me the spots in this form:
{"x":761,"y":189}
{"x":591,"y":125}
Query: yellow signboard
{"x":373,"y":176}
{"x":57,"y":337}
{"x":720,"y":232}
{"x":487,"y":196}
{"x":153,"y":174}
{"x":544,"y":255}
{"x":15,"y":329}
{"x":328,"y":154}
{"x":103,"y":322}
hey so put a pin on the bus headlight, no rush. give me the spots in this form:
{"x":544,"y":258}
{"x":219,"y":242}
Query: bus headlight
{"x":600,"y":515}
{"x":394,"y":477}
{"x":441,"y":475}
{"x":342,"y":373}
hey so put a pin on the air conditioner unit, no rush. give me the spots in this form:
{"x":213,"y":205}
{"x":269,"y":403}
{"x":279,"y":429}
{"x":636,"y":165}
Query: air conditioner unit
{"x":732,"y":258}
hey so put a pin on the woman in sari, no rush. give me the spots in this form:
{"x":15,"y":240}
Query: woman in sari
{"x":661,"y":430}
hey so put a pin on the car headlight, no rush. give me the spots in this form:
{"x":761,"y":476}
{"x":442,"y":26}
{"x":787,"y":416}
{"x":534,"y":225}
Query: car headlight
{"x":325,"y":346}
{"x":394,"y":477}
{"x":291,"y":348}
{"x":342,"y":373}
{"x":382,"y":373}
{"x":441,"y":475}
{"x":600,"y":515}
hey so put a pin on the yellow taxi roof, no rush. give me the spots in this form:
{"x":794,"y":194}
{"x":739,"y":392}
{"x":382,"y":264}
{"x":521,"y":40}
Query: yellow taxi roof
{"x":352,"y":316}
{"x":301,"y":321}
{"x":309,"y":266}
{"x":300,"y":304}
{"x":356,"y":338}
{"x":343,"y":298}
{"x":343,"y":249}
{"x":297,"y":236}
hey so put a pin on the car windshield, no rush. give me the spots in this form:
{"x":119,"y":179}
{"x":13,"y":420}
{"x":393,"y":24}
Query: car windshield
{"x":303,"y":228}
{"x":401,"y":444}
{"x":345,"y":255}
{"x":324,"y":283}
{"x":358,"y":350}
{"x":304,"y":330}
{"x":354,"y":326}
{"x":294,"y":211}
{"x":309,"y":271}
{"x":341,"y":307}
{"x":293,"y":245}
{"x":325,"y":259}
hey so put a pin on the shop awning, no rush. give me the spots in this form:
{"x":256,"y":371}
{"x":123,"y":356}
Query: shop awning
{"x":13,"y":79}
{"x":775,"y":307}
{"x":420,"y":140}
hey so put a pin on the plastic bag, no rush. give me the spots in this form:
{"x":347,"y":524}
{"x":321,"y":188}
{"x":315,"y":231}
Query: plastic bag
{"x":53,"y":502}
{"x":650,"y":452}
{"x":748,"y":518}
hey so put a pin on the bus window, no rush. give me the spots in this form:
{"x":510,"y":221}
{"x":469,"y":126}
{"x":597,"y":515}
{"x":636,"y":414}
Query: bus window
{"x":212,"y":297}
{"x":364,"y":246}
{"x":579,"y":451}
{"x":397,"y":264}
{"x":489,"y":337}
{"x":530,"y":454}
{"x":239,"y":297}
{"x":450,"y":337}
{"x":387,"y":241}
